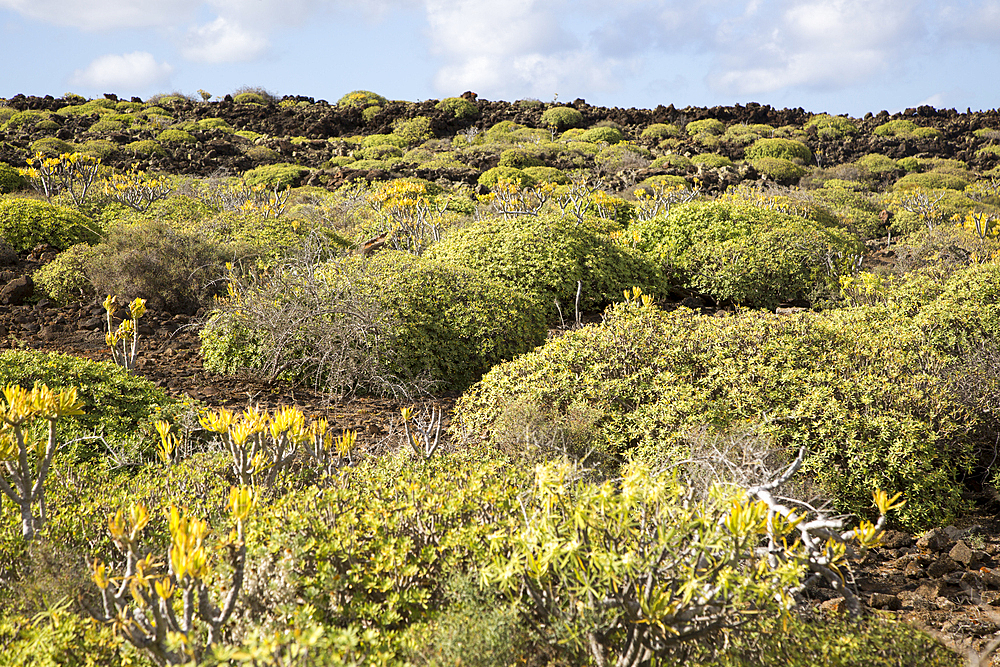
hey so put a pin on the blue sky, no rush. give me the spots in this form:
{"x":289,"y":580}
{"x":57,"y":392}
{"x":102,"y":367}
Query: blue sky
{"x":837,"y":56}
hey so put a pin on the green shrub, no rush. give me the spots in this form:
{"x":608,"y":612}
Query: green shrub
{"x":711,"y":160}
{"x":672,"y":160}
{"x":931,"y":180}
{"x":10,"y":179}
{"x":659,"y":131}
{"x":622,"y":156}
{"x":433,"y":320}
{"x":64,"y":279}
{"x":146,"y":147}
{"x":857,"y":210}
{"x":607,"y":135}
{"x":788,"y":149}
{"x":458,"y":107}
{"x":25,"y":223}
{"x":908,"y":164}
{"x":58,"y":637}
{"x":906,"y":129}
{"x":361,"y":99}
{"x":413,"y":131}
{"x":519,"y":158}
{"x":6,"y":113}
{"x":248,"y":135}
{"x":275,"y":175}
{"x":779,"y":169}
{"x":101,"y":149}
{"x":249,"y":97}
{"x":562,"y":118}
{"x":746,"y":134}
{"x":831,"y":128}
{"x":23,"y":120}
{"x":51,"y":147}
{"x":176,"y":136}
{"x":872,"y":641}
{"x":384,"y":140}
{"x":546,"y":255}
{"x":877,"y":165}
{"x":491,"y":177}
{"x":380,"y":152}
{"x":214,"y":124}
{"x":710,"y":126}
{"x":149,"y":259}
{"x":128,"y":107}
{"x":261,"y":153}
{"x":656,"y":379}
{"x":744,"y":253}
{"x":547,"y":175}
{"x":107,"y":125}
{"x":117,"y":404}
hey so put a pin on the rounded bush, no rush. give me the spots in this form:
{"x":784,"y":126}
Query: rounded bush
{"x":51,"y":147}
{"x":101,"y":149}
{"x":491,"y":177}
{"x":876,"y":164}
{"x":660,"y":131}
{"x":117,"y":403}
{"x":710,"y":126}
{"x":607,"y":135}
{"x":279,"y":175}
{"x":830,"y":127}
{"x":931,"y":180}
{"x":458,"y":107}
{"x":146,"y":147}
{"x":10,"y":179}
{"x":655,"y":382}
{"x":413,"y":131}
{"x":562,"y":118}
{"x":546,"y":255}
{"x":380,"y":152}
{"x":547,"y":175}
{"x":25,"y":223}
{"x":622,"y":156}
{"x":746,"y":134}
{"x":779,"y":169}
{"x":519,"y":159}
{"x":905,"y":129}
{"x":447,"y":323}
{"x":743,"y":253}
{"x":788,"y":149}
{"x":64,"y":279}
{"x":249,"y":97}
{"x":361,"y":99}
{"x":151,"y":260}
{"x":711,"y":160}
{"x":176,"y":136}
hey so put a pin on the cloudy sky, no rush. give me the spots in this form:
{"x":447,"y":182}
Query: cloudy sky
{"x":838,"y":56}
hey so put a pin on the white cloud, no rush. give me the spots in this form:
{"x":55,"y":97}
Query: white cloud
{"x":817,"y":44}
{"x":222,"y":41}
{"x":104,"y":14}
{"x":129,"y":71}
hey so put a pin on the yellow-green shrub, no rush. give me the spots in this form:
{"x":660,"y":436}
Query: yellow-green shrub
{"x":25,"y":223}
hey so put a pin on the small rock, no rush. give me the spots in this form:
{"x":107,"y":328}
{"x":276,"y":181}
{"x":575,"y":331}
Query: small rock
{"x":990,"y":577}
{"x":929,"y":590}
{"x":885,"y":601}
{"x":945,"y":604}
{"x":894,"y":539}
{"x":834,"y":606}
{"x":934,"y":540}
{"x":16,"y":291}
{"x":913,"y":570}
{"x":967,"y":556}
{"x":941,"y":567}
{"x":31,"y":328}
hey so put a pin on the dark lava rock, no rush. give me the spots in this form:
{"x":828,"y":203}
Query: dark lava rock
{"x":16,"y":291}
